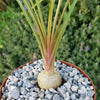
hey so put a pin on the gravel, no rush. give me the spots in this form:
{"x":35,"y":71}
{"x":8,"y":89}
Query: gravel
{"x":22,"y":84}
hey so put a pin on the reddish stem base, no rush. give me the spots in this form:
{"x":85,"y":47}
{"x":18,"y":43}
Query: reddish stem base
{"x":49,"y":71}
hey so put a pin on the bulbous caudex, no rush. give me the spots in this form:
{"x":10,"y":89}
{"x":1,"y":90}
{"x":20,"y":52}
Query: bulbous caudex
{"x":46,"y":81}
{"x":49,"y":78}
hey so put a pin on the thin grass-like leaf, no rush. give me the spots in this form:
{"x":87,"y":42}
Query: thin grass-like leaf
{"x":54,"y":25}
{"x":54,"y":36}
{"x":49,"y":28}
{"x":56,"y":17}
{"x":36,"y":4}
{"x":50,"y":17}
{"x":39,"y":22}
{"x":31,"y":25}
{"x":37,"y":25}
{"x":66,"y":5}
{"x":62,"y":30}
{"x":41,"y":18}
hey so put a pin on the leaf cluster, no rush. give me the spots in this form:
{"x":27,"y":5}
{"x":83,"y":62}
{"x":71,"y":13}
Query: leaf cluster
{"x":48,"y":37}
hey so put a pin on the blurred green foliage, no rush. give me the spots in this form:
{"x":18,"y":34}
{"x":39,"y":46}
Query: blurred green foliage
{"x":4,"y":4}
{"x":80,"y":44}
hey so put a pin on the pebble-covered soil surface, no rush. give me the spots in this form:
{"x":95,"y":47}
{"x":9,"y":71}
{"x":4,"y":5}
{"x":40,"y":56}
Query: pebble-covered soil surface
{"x":22,"y":84}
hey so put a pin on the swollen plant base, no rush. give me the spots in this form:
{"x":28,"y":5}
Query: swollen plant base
{"x":22,"y":84}
{"x":49,"y":81}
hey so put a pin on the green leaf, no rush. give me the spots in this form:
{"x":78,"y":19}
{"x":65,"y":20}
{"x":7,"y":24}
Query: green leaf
{"x":63,"y":29}
{"x":31,"y":25}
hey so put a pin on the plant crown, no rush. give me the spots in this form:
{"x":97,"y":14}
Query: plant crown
{"x":48,"y":39}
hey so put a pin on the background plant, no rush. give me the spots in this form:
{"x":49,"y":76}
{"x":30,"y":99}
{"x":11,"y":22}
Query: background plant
{"x":83,"y":30}
{"x":4,"y":5}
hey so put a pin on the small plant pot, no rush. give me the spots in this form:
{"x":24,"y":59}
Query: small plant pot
{"x":68,"y":64}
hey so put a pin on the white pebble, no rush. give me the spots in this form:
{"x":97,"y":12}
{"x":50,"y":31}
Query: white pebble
{"x":74,"y":88}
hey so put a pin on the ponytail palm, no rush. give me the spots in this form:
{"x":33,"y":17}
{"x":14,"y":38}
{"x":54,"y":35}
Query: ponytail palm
{"x":50,"y":37}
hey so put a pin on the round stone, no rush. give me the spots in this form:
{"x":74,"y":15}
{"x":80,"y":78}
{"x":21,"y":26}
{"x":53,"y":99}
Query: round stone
{"x":74,"y":88}
{"x":15,"y":93}
{"x":32,"y":98}
{"x":23,"y":91}
{"x":20,"y":83}
{"x":84,"y":83}
{"x":90,"y":93}
{"x":15,"y":79}
{"x":76,"y":77}
{"x":41,"y":95}
{"x":28,"y":84}
{"x":34,"y":94}
{"x":75,"y":82}
{"x":80,"y":79}
{"x":73,"y":97}
{"x":67,"y":85}
{"x":67,"y":97}
{"x":88,"y":98}
{"x":19,"y":98}
{"x":49,"y":96}
{"x":82,"y":90}
{"x":64,"y":88}
{"x":61,"y":92}
{"x":56,"y":97}
{"x":53,"y":90}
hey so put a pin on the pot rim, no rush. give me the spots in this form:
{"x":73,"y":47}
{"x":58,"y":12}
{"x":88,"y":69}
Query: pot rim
{"x":68,"y":64}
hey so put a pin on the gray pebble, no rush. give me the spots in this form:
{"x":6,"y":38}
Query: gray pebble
{"x":56,"y":97}
{"x":61,"y":92}
{"x":34,"y":94}
{"x":76,"y":77}
{"x":80,"y":79}
{"x":53,"y":90}
{"x":90,"y":93}
{"x":74,"y":88}
{"x":67,"y":97}
{"x":67,"y":85}
{"x":47,"y":92}
{"x":84,"y":83}
{"x":23,"y":90}
{"x":32,"y":98}
{"x":28,"y":84}
{"x":64,"y":88}
{"x":15,"y":93}
{"x":49,"y":96}
{"x":73,"y":97}
{"x":75,"y":82}
{"x":20,"y":83}
{"x":88,"y":98}
{"x":58,"y":62}
{"x":41,"y":95}
{"x":82,"y":90}
{"x":3,"y":89}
